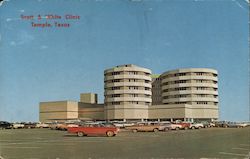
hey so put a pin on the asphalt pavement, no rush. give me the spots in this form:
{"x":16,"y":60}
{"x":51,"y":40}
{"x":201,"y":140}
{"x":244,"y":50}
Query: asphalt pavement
{"x":54,"y":144}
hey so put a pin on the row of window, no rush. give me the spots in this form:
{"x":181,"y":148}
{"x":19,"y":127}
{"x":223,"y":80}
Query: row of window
{"x":129,"y":87}
{"x":127,"y":80}
{"x":128,"y":95}
{"x":130,"y":102}
{"x":192,"y":74}
{"x":128,"y":72}
{"x":211,"y":103}
{"x":189,"y":95}
{"x":189,"y":81}
{"x":189,"y":88}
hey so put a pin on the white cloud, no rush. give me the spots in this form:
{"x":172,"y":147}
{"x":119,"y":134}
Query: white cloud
{"x":22,"y":10}
{"x":12,"y":19}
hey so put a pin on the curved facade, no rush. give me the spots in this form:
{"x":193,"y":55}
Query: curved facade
{"x":195,"y":86}
{"x":127,"y":92}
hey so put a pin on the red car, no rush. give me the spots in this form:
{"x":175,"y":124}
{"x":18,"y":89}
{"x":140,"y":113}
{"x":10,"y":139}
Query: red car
{"x":94,"y":129}
{"x":184,"y":125}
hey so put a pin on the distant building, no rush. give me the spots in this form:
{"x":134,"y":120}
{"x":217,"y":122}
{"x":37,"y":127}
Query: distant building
{"x":133,"y":93}
{"x":86,"y":109}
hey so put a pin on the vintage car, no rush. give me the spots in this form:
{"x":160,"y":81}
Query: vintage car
{"x":236,"y":125}
{"x":196,"y":126}
{"x":17,"y":125}
{"x":207,"y":124}
{"x":169,"y":126}
{"x":29,"y":125}
{"x":5,"y":125}
{"x":94,"y":129}
{"x":184,"y":125}
{"x":42,"y":125}
{"x":223,"y":124}
{"x":145,"y":126}
{"x":122,"y":124}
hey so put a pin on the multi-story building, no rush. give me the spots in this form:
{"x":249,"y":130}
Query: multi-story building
{"x":127,"y":92}
{"x":194,"y":86}
{"x":187,"y":94}
{"x":132,"y":93}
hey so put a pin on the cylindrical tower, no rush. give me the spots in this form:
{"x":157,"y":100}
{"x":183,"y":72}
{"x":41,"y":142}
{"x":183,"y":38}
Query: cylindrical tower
{"x":127,"y":92}
{"x":194,"y":86}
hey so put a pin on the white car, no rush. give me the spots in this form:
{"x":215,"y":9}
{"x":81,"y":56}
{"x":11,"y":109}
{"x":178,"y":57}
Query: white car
{"x":121,"y":124}
{"x":42,"y":125}
{"x":17,"y":125}
{"x":196,"y":126}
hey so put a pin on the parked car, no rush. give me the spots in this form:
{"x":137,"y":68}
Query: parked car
{"x":223,"y":124}
{"x":236,"y":125}
{"x":42,"y":125}
{"x":184,"y":125}
{"x":17,"y":126}
{"x":94,"y":129}
{"x":122,"y":124}
{"x":145,"y":126}
{"x":5,"y":125}
{"x":29,"y":125}
{"x":169,"y":126}
{"x":196,"y":126}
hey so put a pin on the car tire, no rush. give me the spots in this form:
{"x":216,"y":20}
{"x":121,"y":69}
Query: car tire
{"x":80,"y":134}
{"x":166,"y":129}
{"x":110,"y":133}
{"x":134,"y":130}
{"x":185,"y":128}
{"x":193,"y":127}
{"x":199,"y":127}
{"x":155,"y":130}
{"x":177,"y":128}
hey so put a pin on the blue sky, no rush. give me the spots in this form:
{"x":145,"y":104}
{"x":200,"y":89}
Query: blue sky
{"x":51,"y":64}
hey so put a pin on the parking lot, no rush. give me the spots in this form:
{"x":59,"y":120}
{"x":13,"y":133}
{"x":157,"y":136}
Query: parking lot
{"x":53,"y":144}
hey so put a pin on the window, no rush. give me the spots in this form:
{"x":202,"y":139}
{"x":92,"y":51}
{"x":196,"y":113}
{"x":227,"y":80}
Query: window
{"x":132,"y":73}
{"x":115,"y":88}
{"x":115,"y":73}
{"x":116,"y":95}
{"x":116,"y":80}
{"x":133,"y":95}
{"x":201,"y":102}
{"x":199,"y":73}
{"x":115,"y":103}
{"x":180,"y":81}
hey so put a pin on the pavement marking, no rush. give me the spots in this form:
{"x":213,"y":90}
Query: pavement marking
{"x":235,"y":154}
{"x":22,"y":147}
{"x":238,"y":148}
{"x":244,"y":144}
{"x":1,"y":157}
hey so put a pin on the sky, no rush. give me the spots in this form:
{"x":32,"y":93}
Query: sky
{"x":58,"y":63}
